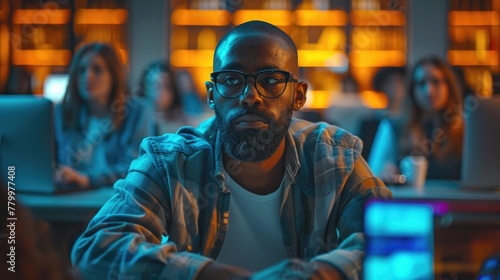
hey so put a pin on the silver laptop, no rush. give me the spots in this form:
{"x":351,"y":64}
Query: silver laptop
{"x":27,"y":144}
{"x":481,"y":149}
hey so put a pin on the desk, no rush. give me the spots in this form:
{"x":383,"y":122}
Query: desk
{"x":67,"y":213}
{"x":443,"y":190}
{"x":466,"y":233}
{"x":74,"y":207}
{"x":82,"y":205}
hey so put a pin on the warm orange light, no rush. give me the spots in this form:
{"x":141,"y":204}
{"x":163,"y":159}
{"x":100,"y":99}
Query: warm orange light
{"x":374,"y":100}
{"x":317,"y":99}
{"x":321,"y":58}
{"x":123,"y":54}
{"x":100,"y":16}
{"x":201,"y":17}
{"x":319,"y":18}
{"x":276,"y":17}
{"x":41,"y":57}
{"x":473,"y":57}
{"x":192,"y":58}
{"x":4,"y":53}
{"x":377,"y":58}
{"x":464,"y":18}
{"x":42,"y":16}
{"x":378,"y":18}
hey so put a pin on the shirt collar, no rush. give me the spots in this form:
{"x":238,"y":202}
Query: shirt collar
{"x":292,"y":161}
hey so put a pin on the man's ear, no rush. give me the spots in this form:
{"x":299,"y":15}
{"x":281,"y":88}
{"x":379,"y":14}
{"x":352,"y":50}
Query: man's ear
{"x":300,"y":95}
{"x":210,"y":94}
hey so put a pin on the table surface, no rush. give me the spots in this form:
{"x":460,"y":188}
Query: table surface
{"x":78,"y":206}
{"x":444,"y":190}
{"x":82,"y":205}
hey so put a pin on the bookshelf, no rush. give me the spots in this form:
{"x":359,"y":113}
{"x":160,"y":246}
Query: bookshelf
{"x":45,"y":34}
{"x":332,"y":37}
{"x":474,"y":41}
{"x":40,"y":38}
{"x":378,"y":38}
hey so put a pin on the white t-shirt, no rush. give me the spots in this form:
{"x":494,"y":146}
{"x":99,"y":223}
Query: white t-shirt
{"x":254,"y":240}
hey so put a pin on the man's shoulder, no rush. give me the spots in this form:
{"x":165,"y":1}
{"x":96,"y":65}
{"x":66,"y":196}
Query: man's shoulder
{"x":322,"y":132}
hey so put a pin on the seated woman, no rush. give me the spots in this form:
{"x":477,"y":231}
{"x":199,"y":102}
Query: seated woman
{"x":98,"y":128}
{"x":433,"y":127}
{"x":159,"y":88}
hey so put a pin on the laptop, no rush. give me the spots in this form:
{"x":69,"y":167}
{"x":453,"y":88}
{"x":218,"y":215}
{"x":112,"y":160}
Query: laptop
{"x":27,"y":144}
{"x":429,"y":239}
{"x":481,"y":148}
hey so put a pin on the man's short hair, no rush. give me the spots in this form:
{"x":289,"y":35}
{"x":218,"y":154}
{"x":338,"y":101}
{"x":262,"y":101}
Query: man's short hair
{"x":257,"y":26}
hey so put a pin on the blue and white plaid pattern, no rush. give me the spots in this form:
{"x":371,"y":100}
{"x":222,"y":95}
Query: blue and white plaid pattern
{"x":175,"y":192}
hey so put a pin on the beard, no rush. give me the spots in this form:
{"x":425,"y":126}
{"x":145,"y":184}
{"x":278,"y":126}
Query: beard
{"x":253,"y":145}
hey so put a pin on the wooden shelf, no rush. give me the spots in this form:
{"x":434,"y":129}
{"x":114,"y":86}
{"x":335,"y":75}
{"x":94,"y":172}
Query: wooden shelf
{"x":473,"y":58}
{"x":33,"y":16}
{"x":276,"y":17}
{"x":201,"y":17}
{"x":100,"y":16}
{"x":42,"y":57}
{"x":473,"y":18}
{"x":192,"y":58}
{"x":377,"y":18}
{"x":322,"y":58}
{"x":377,"y":58}
{"x":319,"y":18}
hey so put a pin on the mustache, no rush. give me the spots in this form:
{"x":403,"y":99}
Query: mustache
{"x":251,"y":111}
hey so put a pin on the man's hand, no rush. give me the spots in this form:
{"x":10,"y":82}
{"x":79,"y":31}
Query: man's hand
{"x":325,"y":271}
{"x":219,"y":271}
{"x":68,"y":175}
{"x":297,"y":269}
{"x":287,"y":269}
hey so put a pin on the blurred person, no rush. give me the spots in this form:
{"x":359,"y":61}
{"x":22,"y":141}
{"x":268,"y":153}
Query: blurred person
{"x":433,"y":128}
{"x":159,"y":86}
{"x":250,"y":192}
{"x":98,"y":128}
{"x":28,"y":251}
{"x":18,"y":82}
{"x":391,"y":82}
{"x":192,"y":101}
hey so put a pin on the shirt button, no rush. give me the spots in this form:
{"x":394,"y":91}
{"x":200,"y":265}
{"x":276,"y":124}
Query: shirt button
{"x":225,"y":221}
{"x":189,"y":248}
{"x":226,"y":214}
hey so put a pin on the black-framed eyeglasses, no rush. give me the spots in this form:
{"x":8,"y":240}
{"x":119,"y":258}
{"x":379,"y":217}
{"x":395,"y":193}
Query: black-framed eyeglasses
{"x":269,"y":83}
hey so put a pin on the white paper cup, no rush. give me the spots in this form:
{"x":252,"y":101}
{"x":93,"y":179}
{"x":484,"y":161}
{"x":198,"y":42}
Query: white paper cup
{"x":415,"y":170}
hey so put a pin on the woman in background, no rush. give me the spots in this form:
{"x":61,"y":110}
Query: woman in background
{"x":433,"y":128}
{"x":159,"y":87}
{"x":98,"y":128}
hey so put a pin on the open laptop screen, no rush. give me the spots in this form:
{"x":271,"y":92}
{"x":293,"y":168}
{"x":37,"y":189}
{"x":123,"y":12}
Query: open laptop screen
{"x":54,"y":87}
{"x":481,"y":149}
{"x":399,"y":239}
{"x":430,"y":239}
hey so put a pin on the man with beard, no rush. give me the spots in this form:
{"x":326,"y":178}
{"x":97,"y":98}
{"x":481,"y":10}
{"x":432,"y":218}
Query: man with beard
{"x":251,"y":193}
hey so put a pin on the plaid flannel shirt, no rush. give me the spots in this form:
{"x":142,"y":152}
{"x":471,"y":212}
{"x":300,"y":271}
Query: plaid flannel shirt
{"x":169,"y":216}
